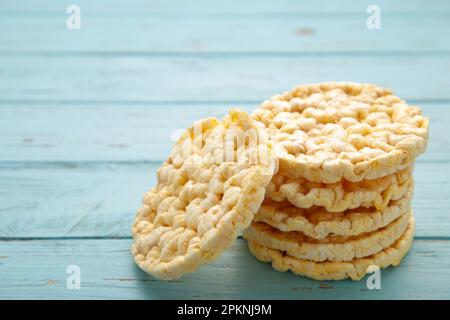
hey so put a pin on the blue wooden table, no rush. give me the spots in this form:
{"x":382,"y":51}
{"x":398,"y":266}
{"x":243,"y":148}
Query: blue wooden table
{"x":87,"y":115}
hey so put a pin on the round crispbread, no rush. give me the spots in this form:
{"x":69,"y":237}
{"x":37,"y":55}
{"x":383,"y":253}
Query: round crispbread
{"x":318,"y":223}
{"x":331,"y":270}
{"x":340,"y":196}
{"x":208,"y":191}
{"x":328,"y":132}
{"x":331,"y":248}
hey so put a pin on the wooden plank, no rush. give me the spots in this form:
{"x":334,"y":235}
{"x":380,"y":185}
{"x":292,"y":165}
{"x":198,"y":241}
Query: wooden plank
{"x":117,"y":78}
{"x":100,"y":199}
{"x":231,"y":6}
{"x":134,"y":132}
{"x":71,"y":199}
{"x":85,"y":132}
{"x":133,"y":34}
{"x":108,"y":272}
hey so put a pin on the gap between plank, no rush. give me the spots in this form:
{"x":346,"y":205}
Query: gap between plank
{"x":222,"y":54}
{"x":229,"y":15}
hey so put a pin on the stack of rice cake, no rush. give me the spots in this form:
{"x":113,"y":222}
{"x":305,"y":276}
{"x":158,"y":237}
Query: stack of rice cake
{"x":340,"y":202}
